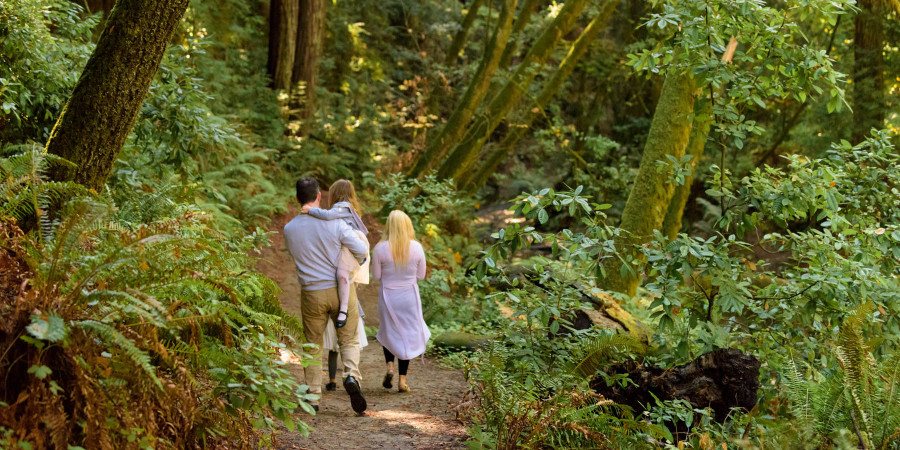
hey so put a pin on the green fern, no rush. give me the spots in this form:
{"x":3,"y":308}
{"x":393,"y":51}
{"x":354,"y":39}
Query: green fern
{"x":523,"y":407}
{"x":25,"y":192}
{"x":129,"y":347}
{"x":156,"y":285}
{"x":860,"y":398}
{"x":593,"y":353}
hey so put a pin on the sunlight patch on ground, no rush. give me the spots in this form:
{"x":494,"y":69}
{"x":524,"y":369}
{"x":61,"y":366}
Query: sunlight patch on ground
{"x":416,"y":420}
{"x":288,"y":356}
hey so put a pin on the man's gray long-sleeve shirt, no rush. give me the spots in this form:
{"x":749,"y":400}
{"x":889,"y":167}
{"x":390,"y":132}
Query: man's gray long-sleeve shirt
{"x":315,"y":246}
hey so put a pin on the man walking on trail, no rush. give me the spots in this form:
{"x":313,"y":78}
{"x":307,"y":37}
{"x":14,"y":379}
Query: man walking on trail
{"x":315,"y":246}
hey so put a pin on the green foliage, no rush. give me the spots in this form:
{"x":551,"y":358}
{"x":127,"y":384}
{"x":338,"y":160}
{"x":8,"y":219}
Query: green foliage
{"x":521,"y":404}
{"x":35,"y":84}
{"x":426,"y":201}
{"x":25,"y":193}
{"x":833,"y":217}
{"x":856,"y":404}
{"x":160,"y":315}
{"x":773,"y":59}
{"x":594,"y":352}
{"x":532,"y":382}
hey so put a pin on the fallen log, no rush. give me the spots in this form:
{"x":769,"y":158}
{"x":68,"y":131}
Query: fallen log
{"x":460,"y":341}
{"x":721,"y":380}
{"x":606,"y":313}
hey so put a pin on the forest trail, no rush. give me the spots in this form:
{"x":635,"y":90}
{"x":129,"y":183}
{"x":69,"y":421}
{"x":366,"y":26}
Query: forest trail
{"x":421,"y":419}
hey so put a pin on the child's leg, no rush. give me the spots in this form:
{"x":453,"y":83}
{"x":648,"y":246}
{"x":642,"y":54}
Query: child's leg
{"x":332,"y":365}
{"x":343,"y":289}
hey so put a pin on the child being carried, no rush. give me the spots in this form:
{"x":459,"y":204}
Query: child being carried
{"x":344,"y":206}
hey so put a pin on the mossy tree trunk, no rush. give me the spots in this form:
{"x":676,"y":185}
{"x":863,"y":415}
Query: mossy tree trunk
{"x":703,"y":115}
{"x":652,"y":193}
{"x":522,"y":20}
{"x":868,"y":68}
{"x":476,"y":91}
{"x":283,"y":18}
{"x":310,"y":27}
{"x":465,"y":153}
{"x":459,"y":39}
{"x":474,"y":179}
{"x":106,"y":100}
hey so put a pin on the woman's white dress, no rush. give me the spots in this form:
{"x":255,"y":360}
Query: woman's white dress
{"x":402,"y":329}
{"x":330,"y":342}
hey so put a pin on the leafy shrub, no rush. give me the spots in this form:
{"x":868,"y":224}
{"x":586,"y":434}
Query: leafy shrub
{"x":34,"y":85}
{"x":427,"y":201}
{"x":152,"y":332}
{"x":524,"y":402}
{"x":834,"y":218}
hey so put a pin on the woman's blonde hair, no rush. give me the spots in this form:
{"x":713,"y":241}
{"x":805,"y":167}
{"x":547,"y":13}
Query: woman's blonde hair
{"x":398,"y":232}
{"x":342,"y":191}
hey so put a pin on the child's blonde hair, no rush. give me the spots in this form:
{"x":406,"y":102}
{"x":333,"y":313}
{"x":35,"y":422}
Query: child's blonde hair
{"x":342,"y":191}
{"x":398,"y":232}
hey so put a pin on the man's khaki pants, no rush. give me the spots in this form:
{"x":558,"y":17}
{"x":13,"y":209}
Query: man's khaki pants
{"x":316,"y":307}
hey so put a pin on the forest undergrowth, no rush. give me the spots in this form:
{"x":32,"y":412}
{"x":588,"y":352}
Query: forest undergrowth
{"x":606,"y":191}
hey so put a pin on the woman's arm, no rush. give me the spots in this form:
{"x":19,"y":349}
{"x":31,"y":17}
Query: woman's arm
{"x":420,"y":262}
{"x":376,"y":264}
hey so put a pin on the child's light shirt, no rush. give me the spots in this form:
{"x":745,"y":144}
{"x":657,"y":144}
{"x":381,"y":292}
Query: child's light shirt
{"x":340,"y":210}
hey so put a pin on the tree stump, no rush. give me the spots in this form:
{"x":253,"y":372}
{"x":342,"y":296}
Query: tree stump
{"x":721,"y":379}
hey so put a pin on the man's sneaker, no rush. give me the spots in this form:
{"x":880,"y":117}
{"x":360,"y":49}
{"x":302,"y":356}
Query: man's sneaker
{"x":357,"y":401}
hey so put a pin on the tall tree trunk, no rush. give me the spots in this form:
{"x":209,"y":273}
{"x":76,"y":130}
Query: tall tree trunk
{"x":274,"y":37}
{"x":103,"y":107}
{"x":652,"y":192}
{"x":476,"y":91}
{"x":522,"y":20}
{"x":868,"y":68}
{"x":465,"y":153}
{"x":95,"y":6}
{"x":474,"y":179}
{"x":703,"y":115}
{"x":310,"y":29}
{"x":459,"y":40}
{"x":283,"y":18}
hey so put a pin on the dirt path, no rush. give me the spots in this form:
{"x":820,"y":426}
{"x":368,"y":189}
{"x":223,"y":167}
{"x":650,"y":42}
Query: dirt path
{"x":421,"y":419}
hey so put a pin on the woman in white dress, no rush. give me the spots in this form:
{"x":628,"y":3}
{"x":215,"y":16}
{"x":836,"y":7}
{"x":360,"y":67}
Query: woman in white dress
{"x":399,"y":262}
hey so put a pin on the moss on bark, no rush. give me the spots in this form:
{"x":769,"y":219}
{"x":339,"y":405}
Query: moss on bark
{"x":103,"y":107}
{"x":459,"y":40}
{"x":699,"y":132}
{"x":476,"y":91}
{"x":649,"y":199}
{"x":472,"y":180}
{"x":521,"y":22}
{"x":465,"y":153}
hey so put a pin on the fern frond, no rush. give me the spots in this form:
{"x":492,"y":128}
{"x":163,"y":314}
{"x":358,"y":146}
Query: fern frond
{"x":113,"y":336}
{"x":799,"y":394}
{"x":593,"y":353}
{"x":854,"y":358}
